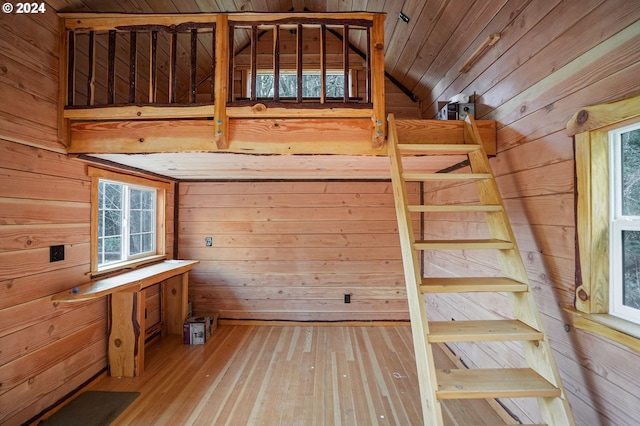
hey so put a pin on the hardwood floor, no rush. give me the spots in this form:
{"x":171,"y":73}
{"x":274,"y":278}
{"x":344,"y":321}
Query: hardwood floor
{"x":286,"y":375}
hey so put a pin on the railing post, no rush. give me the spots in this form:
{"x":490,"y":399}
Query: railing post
{"x":221,"y":84}
{"x":377,"y":76}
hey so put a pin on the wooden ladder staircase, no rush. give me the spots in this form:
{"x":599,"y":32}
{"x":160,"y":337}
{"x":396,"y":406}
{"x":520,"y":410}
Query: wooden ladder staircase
{"x":541,"y":379}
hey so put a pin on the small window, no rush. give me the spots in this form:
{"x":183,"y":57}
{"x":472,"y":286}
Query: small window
{"x":624,"y":298}
{"x":127,"y":216}
{"x":288,"y":84}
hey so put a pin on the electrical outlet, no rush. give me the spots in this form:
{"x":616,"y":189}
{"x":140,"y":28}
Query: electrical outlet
{"x":347,"y":298}
{"x":208,"y":241}
{"x":56,"y":253}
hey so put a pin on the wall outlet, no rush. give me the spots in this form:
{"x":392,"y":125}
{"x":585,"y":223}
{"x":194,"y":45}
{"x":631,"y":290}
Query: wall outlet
{"x":208,"y":241}
{"x":56,"y":253}
{"x":347,"y":298}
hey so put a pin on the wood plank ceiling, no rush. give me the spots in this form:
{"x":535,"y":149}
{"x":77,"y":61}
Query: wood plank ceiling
{"x":418,"y":55}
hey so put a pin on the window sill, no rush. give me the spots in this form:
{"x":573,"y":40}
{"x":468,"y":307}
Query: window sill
{"x":605,"y":325}
{"x":131,"y":264}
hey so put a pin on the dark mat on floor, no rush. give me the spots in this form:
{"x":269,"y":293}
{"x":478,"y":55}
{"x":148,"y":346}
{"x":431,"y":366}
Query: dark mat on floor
{"x":92,"y":408}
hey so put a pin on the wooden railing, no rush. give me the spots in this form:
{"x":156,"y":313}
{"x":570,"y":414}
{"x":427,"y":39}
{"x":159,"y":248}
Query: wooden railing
{"x":208,"y":66}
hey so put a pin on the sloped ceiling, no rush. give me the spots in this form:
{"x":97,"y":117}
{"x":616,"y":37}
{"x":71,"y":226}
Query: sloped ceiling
{"x":418,"y":54}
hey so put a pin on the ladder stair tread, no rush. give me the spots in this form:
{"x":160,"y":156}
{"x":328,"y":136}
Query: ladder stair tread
{"x":462,"y":244}
{"x":413,"y":176}
{"x":493,"y":383}
{"x":481,"y":331}
{"x":471,"y":284}
{"x":455,"y":208}
{"x":436,"y":148}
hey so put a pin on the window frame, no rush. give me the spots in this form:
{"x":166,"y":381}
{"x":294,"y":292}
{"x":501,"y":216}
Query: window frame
{"x":161,"y":189}
{"x":618,"y":224}
{"x":590,"y":127}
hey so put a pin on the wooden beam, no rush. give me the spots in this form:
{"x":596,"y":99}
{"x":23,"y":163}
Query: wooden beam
{"x":221,"y":83}
{"x":598,"y":116}
{"x":377,"y":82}
{"x":133,"y":112}
{"x":348,"y":136}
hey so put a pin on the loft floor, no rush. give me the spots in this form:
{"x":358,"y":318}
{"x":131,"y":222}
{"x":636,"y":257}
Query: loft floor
{"x":287,"y":375}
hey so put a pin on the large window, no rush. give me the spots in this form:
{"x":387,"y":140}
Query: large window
{"x":126,"y":222}
{"x":127,"y":217}
{"x":624,"y":149}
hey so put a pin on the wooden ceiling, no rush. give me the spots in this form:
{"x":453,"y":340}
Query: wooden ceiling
{"x":418,"y":54}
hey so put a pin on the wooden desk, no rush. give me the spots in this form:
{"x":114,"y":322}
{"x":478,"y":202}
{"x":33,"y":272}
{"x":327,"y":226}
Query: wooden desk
{"x":127,"y":308}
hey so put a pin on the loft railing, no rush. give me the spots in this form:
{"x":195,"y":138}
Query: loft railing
{"x":222,"y":66}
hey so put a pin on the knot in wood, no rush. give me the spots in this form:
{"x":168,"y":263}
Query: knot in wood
{"x":117,"y":342}
{"x":583,"y":295}
{"x":174,"y":291}
{"x":379,"y":46}
{"x":583,"y":116}
{"x":259,"y":108}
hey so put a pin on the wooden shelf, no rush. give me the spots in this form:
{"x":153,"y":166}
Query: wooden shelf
{"x":132,"y":281}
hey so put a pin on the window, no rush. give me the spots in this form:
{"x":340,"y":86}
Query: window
{"x":127,"y":217}
{"x":126,"y":222}
{"x":289,"y":84}
{"x":607,"y":159}
{"x":624,"y":176}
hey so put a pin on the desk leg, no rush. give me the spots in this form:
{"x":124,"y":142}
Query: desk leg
{"x":126,"y":339}
{"x":175,"y":298}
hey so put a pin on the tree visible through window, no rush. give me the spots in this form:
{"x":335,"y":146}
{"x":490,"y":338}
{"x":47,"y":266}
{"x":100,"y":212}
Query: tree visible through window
{"x":310,"y":85}
{"x":625,"y":235}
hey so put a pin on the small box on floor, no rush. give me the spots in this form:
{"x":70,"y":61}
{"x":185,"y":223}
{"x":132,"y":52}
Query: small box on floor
{"x":196,"y":330}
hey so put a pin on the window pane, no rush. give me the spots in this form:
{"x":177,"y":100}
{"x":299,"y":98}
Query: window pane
{"x":147,"y":242}
{"x":135,"y":244}
{"x":112,"y":249}
{"x":110,"y":214}
{"x":630,"y":145}
{"x":631,"y":272}
{"x":147,"y":221}
{"x":135,"y":221}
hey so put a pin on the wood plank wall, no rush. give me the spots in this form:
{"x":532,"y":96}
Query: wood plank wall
{"x":46,"y":350}
{"x":553,"y":58}
{"x":291,"y":250}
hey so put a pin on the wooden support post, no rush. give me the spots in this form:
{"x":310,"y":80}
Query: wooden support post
{"x":175,"y":302}
{"x":345,"y":65}
{"x":276,"y":63}
{"x":64,"y":135}
{"x":91,"y":79}
{"x":71,"y":67}
{"x":254,"y":61}
{"x":133,"y":54}
{"x":194,"y":65}
{"x":299,"y":64}
{"x":367,"y":62}
{"x":323,"y":63}
{"x":377,"y":81}
{"x":111,"y":73}
{"x":153,"y":67}
{"x":221,"y":121}
{"x":213,"y":62}
{"x":126,"y":339}
{"x":172,"y":67}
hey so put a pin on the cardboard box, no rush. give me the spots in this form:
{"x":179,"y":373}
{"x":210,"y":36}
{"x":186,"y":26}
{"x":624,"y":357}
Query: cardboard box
{"x":196,"y":330}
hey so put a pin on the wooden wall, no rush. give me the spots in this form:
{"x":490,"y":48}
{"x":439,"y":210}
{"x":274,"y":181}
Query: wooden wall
{"x":291,"y":250}
{"x":47,"y":350}
{"x":553,"y":58}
